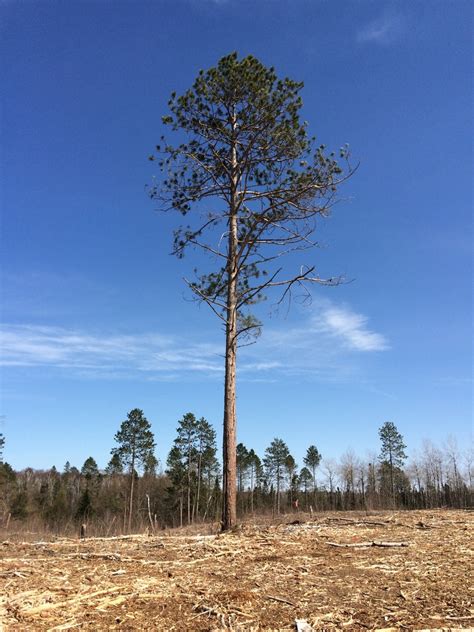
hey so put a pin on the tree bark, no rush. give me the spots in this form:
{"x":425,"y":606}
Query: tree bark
{"x":229,"y":504}
{"x":392,"y":486}
{"x":278,"y":491}
{"x":132,"y":481}
{"x":189,"y":482}
{"x":198,"y":492}
{"x":251,"y":489}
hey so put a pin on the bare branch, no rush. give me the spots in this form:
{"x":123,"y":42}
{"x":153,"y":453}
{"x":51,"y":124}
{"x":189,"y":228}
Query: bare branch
{"x":206,"y":299}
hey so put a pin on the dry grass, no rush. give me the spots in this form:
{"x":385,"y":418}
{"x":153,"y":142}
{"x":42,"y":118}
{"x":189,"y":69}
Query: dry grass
{"x":261,"y":577}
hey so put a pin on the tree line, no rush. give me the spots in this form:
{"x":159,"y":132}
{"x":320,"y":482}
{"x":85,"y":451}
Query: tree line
{"x":132,"y":493}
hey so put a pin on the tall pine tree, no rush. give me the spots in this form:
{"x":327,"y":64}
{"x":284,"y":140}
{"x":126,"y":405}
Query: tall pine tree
{"x":136,"y":446}
{"x":256,"y":183}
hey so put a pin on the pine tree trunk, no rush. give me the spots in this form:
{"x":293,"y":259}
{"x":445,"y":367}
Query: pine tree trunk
{"x":251,"y":490}
{"x":198,"y":492}
{"x":229,"y":504}
{"x":278,"y":492}
{"x":392,"y":486}
{"x":132,"y":481}
{"x":189,"y":486}
{"x":229,"y":514}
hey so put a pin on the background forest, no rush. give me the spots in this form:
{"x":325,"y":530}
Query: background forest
{"x":135,"y":492}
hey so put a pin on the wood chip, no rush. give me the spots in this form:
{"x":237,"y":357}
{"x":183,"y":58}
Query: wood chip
{"x":322,"y":569}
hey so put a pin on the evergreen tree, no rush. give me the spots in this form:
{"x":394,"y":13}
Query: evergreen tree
{"x":392,"y":452}
{"x":242,"y":465}
{"x":186,"y":442}
{"x":114,"y":466}
{"x":2,"y":446}
{"x":312,"y":460}
{"x":247,"y":149}
{"x":84,"y":508}
{"x":276,"y":456}
{"x":89,"y":500}
{"x":207,"y":465}
{"x":290,"y":466}
{"x":8,"y":489}
{"x":149,"y":466}
{"x":90,"y":469}
{"x":255,"y":473}
{"x":176,"y":471}
{"x":7,"y":473}
{"x":194,"y":457}
{"x":136,"y":444}
{"x":304,"y":480}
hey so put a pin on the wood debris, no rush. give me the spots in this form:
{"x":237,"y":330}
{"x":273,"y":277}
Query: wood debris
{"x":387,"y":571}
{"x":366,"y":544}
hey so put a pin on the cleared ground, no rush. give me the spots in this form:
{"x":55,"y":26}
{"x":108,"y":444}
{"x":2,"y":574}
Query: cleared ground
{"x":404,"y":570}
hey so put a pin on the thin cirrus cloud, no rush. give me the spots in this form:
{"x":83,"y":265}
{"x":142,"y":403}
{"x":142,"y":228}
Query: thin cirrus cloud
{"x":33,"y":346}
{"x":351,"y":328}
{"x":383,"y":30}
{"x":318,"y":348}
{"x":330,"y":326}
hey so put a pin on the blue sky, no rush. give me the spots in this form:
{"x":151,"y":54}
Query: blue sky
{"x":95,"y":319}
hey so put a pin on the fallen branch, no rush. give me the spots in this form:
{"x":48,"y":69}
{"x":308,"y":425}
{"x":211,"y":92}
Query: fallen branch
{"x":367,"y":544}
{"x":290,"y":603}
{"x":358,"y":523}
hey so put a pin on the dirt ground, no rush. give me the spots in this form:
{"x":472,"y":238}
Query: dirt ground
{"x":398,"y":570}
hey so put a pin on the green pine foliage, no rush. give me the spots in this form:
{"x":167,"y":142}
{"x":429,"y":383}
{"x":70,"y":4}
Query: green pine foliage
{"x":136,"y":444}
{"x":192,"y":468}
{"x":392,"y":456}
{"x":285,"y":178}
{"x":135,"y":440}
{"x":276,"y":457}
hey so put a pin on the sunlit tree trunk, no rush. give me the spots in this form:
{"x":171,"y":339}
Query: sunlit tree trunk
{"x":132,"y":483}
{"x":229,"y":506}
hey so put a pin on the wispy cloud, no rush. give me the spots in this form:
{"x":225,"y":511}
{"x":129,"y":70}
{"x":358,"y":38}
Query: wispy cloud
{"x":30,"y":345}
{"x":320,"y":348}
{"x":383,"y":30}
{"x":352,"y":329}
